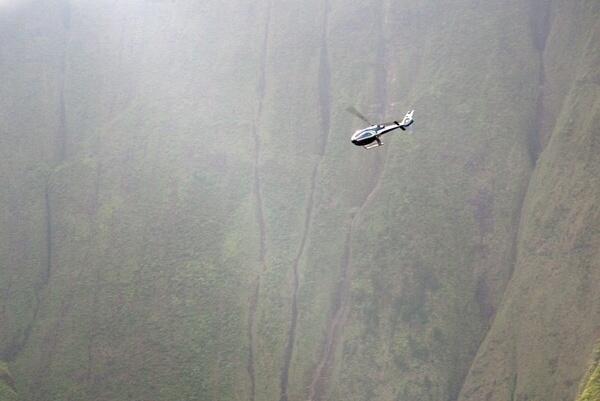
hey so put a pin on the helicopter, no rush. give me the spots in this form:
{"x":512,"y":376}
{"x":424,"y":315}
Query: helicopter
{"x":369,"y":137}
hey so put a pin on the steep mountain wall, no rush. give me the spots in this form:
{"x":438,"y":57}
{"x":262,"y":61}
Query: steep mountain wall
{"x":128,"y":248}
{"x":430,"y":244}
{"x":538,"y":345}
{"x":182,"y":215}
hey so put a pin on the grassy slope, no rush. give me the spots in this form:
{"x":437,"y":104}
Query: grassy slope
{"x":538,"y":345}
{"x":590,"y":386}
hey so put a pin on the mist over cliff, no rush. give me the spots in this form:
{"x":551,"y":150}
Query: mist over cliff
{"x":183,"y":216}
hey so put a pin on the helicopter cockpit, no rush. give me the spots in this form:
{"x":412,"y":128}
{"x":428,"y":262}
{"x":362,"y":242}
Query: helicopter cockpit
{"x":363,"y":134}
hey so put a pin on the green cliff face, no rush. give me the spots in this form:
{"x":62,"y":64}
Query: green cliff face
{"x":182,"y":216}
{"x":590,"y":386}
{"x":548,"y":320}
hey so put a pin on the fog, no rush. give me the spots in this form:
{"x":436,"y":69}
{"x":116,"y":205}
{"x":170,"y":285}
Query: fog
{"x":184,"y":217}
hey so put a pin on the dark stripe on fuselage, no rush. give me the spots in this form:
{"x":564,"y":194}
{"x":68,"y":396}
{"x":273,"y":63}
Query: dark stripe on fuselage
{"x":365,"y":141}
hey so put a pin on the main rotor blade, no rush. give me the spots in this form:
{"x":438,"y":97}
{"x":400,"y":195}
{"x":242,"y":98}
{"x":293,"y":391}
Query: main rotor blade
{"x":352,"y":110}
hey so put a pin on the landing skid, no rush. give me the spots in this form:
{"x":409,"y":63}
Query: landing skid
{"x":373,"y":145}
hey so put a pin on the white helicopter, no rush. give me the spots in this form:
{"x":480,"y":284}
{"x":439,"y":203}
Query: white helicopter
{"x":369,"y":137}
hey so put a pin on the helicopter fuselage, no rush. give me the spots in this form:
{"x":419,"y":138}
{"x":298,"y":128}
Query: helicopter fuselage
{"x":367,"y":136}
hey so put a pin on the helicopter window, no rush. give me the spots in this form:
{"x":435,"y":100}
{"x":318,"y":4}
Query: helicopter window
{"x":366,"y":134}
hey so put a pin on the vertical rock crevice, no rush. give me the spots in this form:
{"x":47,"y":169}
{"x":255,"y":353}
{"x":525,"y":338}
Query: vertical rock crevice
{"x":62,"y":134}
{"x":60,"y":155}
{"x":20,"y":339}
{"x":61,"y":137}
{"x":259,"y":207}
{"x":540,"y":29}
{"x":5,"y":298}
{"x":324,"y":80}
{"x":339,"y":307}
{"x":324,"y":101}
{"x":47,"y":246}
{"x":59,"y":143}
{"x":49,"y":237}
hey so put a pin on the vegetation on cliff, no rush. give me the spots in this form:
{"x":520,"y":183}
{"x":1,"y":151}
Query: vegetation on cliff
{"x":590,"y":389}
{"x":182,"y":216}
